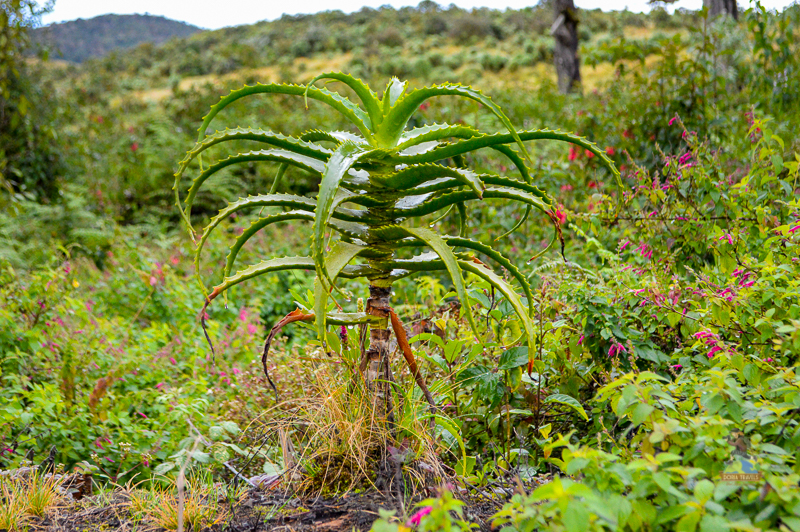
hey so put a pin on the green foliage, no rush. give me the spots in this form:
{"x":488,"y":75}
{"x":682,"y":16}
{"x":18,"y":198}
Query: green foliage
{"x":390,"y":172}
{"x":29,"y":163}
{"x":694,"y":255}
{"x":109,"y":366}
{"x":676,"y":352}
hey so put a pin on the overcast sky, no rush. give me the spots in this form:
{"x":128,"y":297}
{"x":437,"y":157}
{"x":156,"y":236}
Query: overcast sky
{"x":212,"y":15}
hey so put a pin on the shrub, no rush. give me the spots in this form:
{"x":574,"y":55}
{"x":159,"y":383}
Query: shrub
{"x":467,"y":28}
{"x":390,"y":37}
{"x":493,"y":63}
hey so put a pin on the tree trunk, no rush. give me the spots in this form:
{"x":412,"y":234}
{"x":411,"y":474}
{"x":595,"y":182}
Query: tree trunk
{"x":721,"y":7}
{"x":378,"y":353}
{"x":565,"y":31}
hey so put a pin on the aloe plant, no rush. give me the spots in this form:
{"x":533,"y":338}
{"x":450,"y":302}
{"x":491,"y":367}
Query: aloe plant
{"x":375,"y":187}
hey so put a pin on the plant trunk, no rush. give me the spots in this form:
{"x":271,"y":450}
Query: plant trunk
{"x":377,"y":376}
{"x":721,"y":7}
{"x":565,"y":31}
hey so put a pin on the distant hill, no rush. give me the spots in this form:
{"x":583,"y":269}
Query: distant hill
{"x":81,"y":39}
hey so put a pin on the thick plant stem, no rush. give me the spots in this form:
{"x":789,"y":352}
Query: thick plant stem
{"x":378,"y":352}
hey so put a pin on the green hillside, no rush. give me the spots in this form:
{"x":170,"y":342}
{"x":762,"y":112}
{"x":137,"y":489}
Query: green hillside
{"x":78,"y":40}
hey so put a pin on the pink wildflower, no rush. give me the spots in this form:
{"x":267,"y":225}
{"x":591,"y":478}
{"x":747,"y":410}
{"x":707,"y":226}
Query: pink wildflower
{"x":714,"y":350}
{"x":795,"y":228}
{"x":172,"y":360}
{"x":416,"y":519}
{"x":160,"y":385}
{"x":580,"y":340}
{"x":676,"y":366}
{"x":624,"y":245}
{"x":243,"y":314}
{"x":252,"y":328}
{"x":143,"y":415}
{"x":673,"y":119}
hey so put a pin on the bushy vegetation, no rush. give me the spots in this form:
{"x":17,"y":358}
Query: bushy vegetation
{"x":666,"y":331}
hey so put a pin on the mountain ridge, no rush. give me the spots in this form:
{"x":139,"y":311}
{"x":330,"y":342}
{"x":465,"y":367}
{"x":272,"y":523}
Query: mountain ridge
{"x":82,"y":39}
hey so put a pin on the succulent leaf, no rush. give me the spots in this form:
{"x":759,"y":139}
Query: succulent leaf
{"x":335,"y":261}
{"x":348,"y":109}
{"x":440,"y":247}
{"x":368,"y":98}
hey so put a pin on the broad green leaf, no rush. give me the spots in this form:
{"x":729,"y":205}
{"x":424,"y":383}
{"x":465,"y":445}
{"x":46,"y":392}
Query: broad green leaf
{"x":513,"y":358}
{"x":641,"y":412}
{"x":569,"y":401}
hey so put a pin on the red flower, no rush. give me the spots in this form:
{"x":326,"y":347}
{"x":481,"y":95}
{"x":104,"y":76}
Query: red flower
{"x":573,"y":153}
{"x":592,"y":184}
{"x":627,"y":134}
{"x":589,"y":154}
{"x":561,"y":216}
{"x":134,"y":146}
{"x":610,"y":150}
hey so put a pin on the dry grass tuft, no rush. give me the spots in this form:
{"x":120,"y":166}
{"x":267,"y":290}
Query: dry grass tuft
{"x":341,"y":439}
{"x":201,"y":507}
{"x":13,"y":505}
{"x":33,"y":494}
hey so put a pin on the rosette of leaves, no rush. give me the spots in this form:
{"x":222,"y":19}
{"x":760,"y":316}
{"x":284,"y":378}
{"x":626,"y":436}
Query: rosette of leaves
{"x":376,"y":184}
